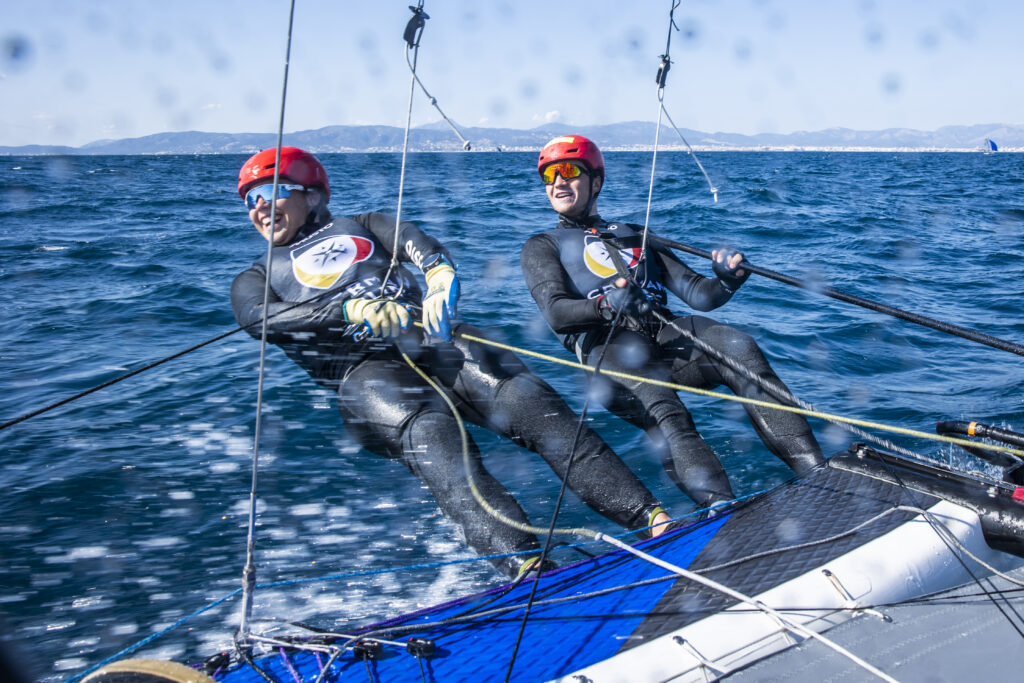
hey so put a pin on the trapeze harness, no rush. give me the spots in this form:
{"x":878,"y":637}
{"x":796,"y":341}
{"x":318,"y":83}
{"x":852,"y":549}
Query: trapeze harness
{"x":569,"y":269}
{"x":393,"y":413}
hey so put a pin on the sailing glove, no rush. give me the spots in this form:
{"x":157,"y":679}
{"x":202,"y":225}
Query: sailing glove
{"x":726,"y":275}
{"x":382,"y":317}
{"x":440,"y":301}
{"x":625,"y":298}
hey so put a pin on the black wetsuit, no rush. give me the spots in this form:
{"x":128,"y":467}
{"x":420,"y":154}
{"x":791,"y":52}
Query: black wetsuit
{"x":569,"y":269}
{"x":393,"y":412}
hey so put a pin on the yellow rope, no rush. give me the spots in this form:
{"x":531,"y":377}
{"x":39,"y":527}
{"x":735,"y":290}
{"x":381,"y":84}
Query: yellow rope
{"x":493,"y":512}
{"x":751,"y":401}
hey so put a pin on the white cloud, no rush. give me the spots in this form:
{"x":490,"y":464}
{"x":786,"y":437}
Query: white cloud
{"x":549,"y":117}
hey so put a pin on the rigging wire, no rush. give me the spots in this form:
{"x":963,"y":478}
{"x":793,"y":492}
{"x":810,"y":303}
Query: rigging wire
{"x":411,"y":36}
{"x":161,"y":361}
{"x":414,"y":30}
{"x":433,"y":100}
{"x":661,"y":79}
{"x":558,"y":506}
{"x":689,"y":150}
{"x":249,"y":572}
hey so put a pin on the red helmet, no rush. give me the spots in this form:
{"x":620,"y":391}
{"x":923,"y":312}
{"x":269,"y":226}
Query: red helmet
{"x":297,"y":166}
{"x":572,"y":148}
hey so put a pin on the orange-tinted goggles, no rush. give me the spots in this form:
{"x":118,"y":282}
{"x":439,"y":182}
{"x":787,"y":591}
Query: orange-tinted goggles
{"x":566,"y":169}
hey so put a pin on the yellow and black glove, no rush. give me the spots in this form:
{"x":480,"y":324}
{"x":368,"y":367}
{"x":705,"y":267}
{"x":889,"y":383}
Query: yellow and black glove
{"x":382,"y":317}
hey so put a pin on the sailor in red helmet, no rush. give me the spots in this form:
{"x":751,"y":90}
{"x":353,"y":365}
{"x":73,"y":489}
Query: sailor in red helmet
{"x":340,"y":310}
{"x":596,"y":289}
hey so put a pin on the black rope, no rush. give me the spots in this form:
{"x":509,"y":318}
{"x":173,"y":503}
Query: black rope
{"x":558,"y":503}
{"x":925,"y":321}
{"x":150,"y":366}
{"x":108,"y":383}
{"x":245,"y":654}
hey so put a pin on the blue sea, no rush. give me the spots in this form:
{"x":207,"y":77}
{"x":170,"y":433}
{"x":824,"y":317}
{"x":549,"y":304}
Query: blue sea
{"x":125,"y":512}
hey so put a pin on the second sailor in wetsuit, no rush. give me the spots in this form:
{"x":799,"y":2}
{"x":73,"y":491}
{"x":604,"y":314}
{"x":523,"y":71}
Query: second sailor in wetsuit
{"x":340,"y":310}
{"x":588,"y":272}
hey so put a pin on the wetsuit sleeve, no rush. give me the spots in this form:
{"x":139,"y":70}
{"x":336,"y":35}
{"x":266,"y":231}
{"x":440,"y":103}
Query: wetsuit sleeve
{"x":562,"y":307}
{"x":414,"y":245}
{"x":698,"y":292}
{"x":286,"y":320}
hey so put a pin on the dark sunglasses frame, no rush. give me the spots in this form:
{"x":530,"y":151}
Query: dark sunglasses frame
{"x":553,"y":168}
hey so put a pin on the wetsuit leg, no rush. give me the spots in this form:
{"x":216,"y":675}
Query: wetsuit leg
{"x":393,"y":413}
{"x":786,"y":434}
{"x":687,"y":458}
{"x":502,"y":395}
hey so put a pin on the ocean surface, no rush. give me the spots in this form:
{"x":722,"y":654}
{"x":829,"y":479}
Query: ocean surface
{"x":125,"y":511}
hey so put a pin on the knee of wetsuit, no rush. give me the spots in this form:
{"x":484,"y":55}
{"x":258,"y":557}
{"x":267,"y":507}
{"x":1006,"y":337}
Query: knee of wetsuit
{"x":520,"y":398}
{"x":741,"y":347}
{"x":526,"y":387}
{"x":671,"y":410}
{"x":429,"y":427}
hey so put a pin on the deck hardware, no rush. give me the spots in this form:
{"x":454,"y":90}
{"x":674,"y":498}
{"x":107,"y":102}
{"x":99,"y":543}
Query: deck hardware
{"x":851,"y":603}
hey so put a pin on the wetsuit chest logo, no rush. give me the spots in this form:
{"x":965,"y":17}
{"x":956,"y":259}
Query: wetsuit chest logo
{"x":599,"y":262}
{"x":321,"y":263}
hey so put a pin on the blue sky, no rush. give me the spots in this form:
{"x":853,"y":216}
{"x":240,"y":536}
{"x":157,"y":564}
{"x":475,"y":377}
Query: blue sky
{"x":74,"y":72}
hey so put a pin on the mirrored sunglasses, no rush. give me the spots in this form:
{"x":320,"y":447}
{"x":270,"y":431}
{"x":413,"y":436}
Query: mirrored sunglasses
{"x":266,"y":193}
{"x":566,"y":169}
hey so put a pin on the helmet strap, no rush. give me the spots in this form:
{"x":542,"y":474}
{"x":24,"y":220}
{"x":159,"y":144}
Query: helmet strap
{"x":593,"y":195}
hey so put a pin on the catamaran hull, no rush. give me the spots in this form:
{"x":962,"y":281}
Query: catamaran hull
{"x":906,"y":563}
{"x":865,"y":532}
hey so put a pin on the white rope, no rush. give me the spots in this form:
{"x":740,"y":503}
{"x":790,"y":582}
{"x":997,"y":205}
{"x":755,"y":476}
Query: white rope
{"x":736,"y":595}
{"x":433,"y":100}
{"x":689,"y":150}
{"x":401,"y":178}
{"x":650,"y":188}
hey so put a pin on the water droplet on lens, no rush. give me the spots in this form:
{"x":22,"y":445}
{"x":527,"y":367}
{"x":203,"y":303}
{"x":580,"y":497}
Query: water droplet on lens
{"x":891,"y":83}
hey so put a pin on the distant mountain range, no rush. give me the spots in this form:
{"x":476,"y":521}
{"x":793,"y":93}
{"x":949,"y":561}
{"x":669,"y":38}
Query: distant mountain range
{"x":633,"y":135}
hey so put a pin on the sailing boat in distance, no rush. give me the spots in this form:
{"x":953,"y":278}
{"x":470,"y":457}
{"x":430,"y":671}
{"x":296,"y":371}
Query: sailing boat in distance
{"x":989,"y":147}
